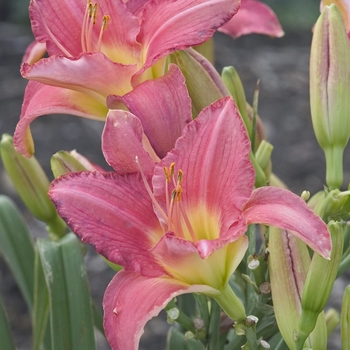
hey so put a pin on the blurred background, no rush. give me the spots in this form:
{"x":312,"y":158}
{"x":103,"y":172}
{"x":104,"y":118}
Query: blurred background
{"x":282,"y":66}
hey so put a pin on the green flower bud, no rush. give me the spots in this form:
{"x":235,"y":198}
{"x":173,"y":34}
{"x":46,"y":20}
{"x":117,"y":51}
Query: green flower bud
{"x":234,"y":85}
{"x":319,"y":283}
{"x":345,"y":320}
{"x":203,"y":82}
{"x":29,"y":180}
{"x":289,"y":261}
{"x":332,"y":320}
{"x":65,"y":162}
{"x":330,"y":90}
{"x":32,"y":185}
{"x":263,"y":157}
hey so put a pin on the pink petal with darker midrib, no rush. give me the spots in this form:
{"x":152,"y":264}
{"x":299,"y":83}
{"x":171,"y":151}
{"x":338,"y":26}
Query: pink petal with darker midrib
{"x":114,"y":214}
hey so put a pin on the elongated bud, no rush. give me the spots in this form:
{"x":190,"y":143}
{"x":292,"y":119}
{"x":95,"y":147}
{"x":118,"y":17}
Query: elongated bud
{"x":29,"y":180}
{"x":345,"y":320}
{"x":319,"y":283}
{"x":32,"y":185}
{"x":332,"y":320}
{"x":263,"y":157}
{"x":289,"y":261}
{"x":330,"y":90}
{"x":203,"y":82}
{"x":65,"y":162}
{"x":234,"y":85}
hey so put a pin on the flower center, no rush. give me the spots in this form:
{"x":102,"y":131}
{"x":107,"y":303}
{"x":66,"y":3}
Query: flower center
{"x":90,"y":16}
{"x":174,"y":216}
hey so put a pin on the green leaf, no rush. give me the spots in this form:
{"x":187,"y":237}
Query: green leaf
{"x":17,"y":248}
{"x":177,"y":340}
{"x":6,"y":340}
{"x":71,"y":315}
{"x":41,"y":307}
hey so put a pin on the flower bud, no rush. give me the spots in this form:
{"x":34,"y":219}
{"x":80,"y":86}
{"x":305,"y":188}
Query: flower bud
{"x":319,"y":283}
{"x":330,"y":90}
{"x":32,"y":185}
{"x":332,"y":320}
{"x":345,"y":320}
{"x":234,"y":85}
{"x":289,"y":261}
{"x":64,"y":162}
{"x":29,"y":180}
{"x":203,"y":82}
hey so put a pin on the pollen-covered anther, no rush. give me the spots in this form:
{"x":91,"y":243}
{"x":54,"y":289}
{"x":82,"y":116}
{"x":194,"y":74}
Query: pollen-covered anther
{"x":90,"y":18}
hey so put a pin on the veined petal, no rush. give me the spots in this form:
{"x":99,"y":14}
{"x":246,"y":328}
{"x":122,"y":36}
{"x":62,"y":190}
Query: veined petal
{"x":169,"y":25}
{"x":218,"y":177}
{"x":114,"y":214}
{"x":253,"y":17}
{"x":278,"y":207}
{"x":131,"y":300}
{"x":40,"y":99}
{"x":122,"y":143}
{"x":163,"y":106}
{"x":119,"y":38}
{"x":34,"y":52}
{"x":135,"y":6}
{"x":93,"y":74}
{"x":183,"y":261}
{"x":58,"y":23}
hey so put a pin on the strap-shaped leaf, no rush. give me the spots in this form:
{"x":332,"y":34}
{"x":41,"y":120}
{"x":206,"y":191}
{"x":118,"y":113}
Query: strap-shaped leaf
{"x":41,"y":308}
{"x":17,"y":248}
{"x":6,"y":340}
{"x":71,"y":315}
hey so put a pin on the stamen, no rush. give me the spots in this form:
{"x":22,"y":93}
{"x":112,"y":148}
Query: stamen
{"x":150,"y":193}
{"x":103,"y":27}
{"x":84,"y":29}
{"x":92,"y":18}
{"x":188,"y":224}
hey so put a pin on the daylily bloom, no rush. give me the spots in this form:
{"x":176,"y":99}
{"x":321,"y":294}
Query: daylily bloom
{"x":182,"y":229}
{"x":105,"y":48}
{"x":253,"y":17}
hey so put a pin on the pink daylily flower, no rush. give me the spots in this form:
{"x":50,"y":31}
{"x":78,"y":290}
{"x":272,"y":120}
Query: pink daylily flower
{"x":180,"y":230}
{"x":253,"y":17}
{"x":105,"y":48}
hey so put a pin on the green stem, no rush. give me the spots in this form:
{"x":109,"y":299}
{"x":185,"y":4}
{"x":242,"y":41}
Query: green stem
{"x":56,"y":228}
{"x":334,"y":167}
{"x":231,"y":304}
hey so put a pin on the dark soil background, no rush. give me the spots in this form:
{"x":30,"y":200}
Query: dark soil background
{"x":282,"y":66}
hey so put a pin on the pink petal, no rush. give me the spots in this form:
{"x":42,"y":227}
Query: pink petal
{"x":131,"y":300}
{"x":34,"y":52}
{"x":163,"y":106}
{"x":135,"y":6}
{"x":278,"y":207}
{"x":59,"y":24}
{"x":40,"y":99}
{"x":213,"y":154}
{"x":112,"y":213}
{"x":169,"y":25}
{"x":122,"y":142}
{"x":92,"y":74}
{"x":119,"y":38}
{"x":253,"y":17}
